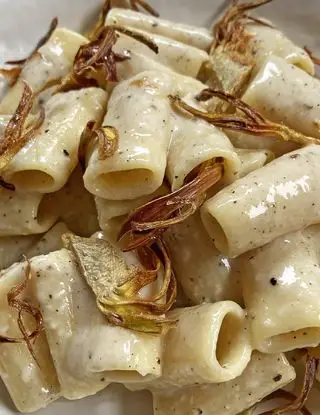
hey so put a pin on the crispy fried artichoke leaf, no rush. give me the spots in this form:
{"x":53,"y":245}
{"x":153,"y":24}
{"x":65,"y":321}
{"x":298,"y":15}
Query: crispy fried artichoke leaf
{"x":107,"y":6}
{"x":116,"y":285}
{"x":107,"y":138}
{"x":246,"y":119}
{"x":24,"y":307}
{"x":19,"y":132}
{"x":232,"y":52}
{"x":148,"y":222}
{"x":95,"y":64}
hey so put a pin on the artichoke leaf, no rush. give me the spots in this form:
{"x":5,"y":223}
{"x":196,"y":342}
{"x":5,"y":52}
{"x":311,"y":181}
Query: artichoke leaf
{"x":117,"y":285}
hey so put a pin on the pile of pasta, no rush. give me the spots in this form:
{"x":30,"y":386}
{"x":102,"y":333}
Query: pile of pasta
{"x":160,"y":214}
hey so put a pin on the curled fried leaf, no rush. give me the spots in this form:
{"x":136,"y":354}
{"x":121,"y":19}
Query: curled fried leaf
{"x":108,"y":139}
{"x":298,"y":404}
{"x":23,"y":306}
{"x":140,"y":37}
{"x":233,"y":52}
{"x":94,"y":33}
{"x":261,"y":22}
{"x":95,"y":63}
{"x":145,"y":315}
{"x":314,"y":59}
{"x":249,"y":121}
{"x":44,"y":39}
{"x":278,"y":394}
{"x":107,"y":6}
{"x":135,"y":4}
{"x":15,"y":135}
{"x":117,"y":286}
{"x":232,"y":25}
{"x":106,"y":136}
{"x":148,"y":222}
{"x":288,"y":396}
{"x":11,"y":75}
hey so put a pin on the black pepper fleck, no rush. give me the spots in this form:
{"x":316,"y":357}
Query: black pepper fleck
{"x":277,"y":378}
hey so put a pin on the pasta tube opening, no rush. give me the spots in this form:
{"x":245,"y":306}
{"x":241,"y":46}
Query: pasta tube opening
{"x":228,"y":349}
{"x":138,"y":166}
{"x":215,"y":230}
{"x":256,"y":382}
{"x":45,"y":163}
{"x":275,"y":200}
{"x":210,"y":344}
{"x":45,"y":215}
{"x":125,"y":182}
{"x":32,"y":179}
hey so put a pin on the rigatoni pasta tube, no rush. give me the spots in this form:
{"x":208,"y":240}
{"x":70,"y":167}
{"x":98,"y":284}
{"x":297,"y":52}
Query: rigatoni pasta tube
{"x":231,"y":69}
{"x":190,"y":35}
{"x":281,"y":292}
{"x":252,"y":160}
{"x":193,"y":143}
{"x":51,"y":62}
{"x":45,"y":163}
{"x":210,"y":344}
{"x":275,"y":145}
{"x":279,"y":198}
{"x":179,"y":57}
{"x":87,"y":352}
{"x":268,"y":41}
{"x":135,"y":65}
{"x":24,"y":213}
{"x":203,"y":272}
{"x":264,"y":375}
{"x":284,"y":93}
{"x":31,"y":387}
{"x":140,"y":110}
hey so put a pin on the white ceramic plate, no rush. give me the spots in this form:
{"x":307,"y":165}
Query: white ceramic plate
{"x":22,"y":22}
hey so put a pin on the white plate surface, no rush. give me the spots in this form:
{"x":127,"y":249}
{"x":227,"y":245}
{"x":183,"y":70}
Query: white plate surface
{"x":22,"y":22}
